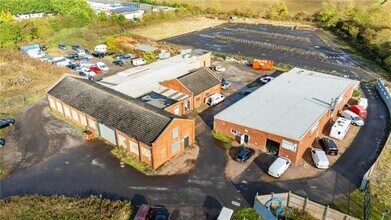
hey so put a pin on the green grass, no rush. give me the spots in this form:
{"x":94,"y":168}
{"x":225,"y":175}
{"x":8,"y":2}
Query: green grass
{"x":224,"y":139}
{"x":132,"y":161}
{"x":246,"y":214}
{"x":62,"y":207}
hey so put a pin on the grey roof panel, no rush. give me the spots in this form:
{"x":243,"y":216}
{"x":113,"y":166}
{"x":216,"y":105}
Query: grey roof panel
{"x":199,"y":80}
{"x":114,"y":109}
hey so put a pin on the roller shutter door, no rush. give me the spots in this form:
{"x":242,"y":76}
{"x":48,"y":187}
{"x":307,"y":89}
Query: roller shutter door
{"x":107,"y":133}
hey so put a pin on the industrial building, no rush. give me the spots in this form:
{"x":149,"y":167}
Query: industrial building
{"x":287,"y":114}
{"x":149,"y":133}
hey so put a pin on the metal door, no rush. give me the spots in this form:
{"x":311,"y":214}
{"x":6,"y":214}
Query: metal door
{"x":186,"y":141}
{"x":107,"y":133}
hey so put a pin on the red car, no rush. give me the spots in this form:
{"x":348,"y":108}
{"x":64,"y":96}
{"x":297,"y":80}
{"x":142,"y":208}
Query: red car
{"x":95,"y":69}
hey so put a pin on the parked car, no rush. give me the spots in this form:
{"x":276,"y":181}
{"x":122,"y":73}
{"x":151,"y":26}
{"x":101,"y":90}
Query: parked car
{"x":6,"y":122}
{"x":118,"y":56}
{"x":214,"y":99}
{"x":62,"y":47}
{"x":244,"y":155}
{"x":359,"y":110}
{"x":43,"y":47}
{"x":77,"y":69}
{"x":102,"y":66}
{"x":363,"y":102}
{"x":356,"y":120}
{"x":220,"y":68}
{"x":95,"y":69}
{"x":46,"y":58}
{"x":160,"y":214}
{"x":76,"y":47}
{"x":98,"y":54}
{"x":329,"y":146}
{"x":87,"y":72}
{"x":320,"y":158}
{"x":279,"y":166}
{"x":87,"y":52}
{"x":119,"y":62}
{"x":72,"y":56}
{"x":266,"y":79}
{"x":225,"y":85}
{"x":86,"y":64}
{"x":138,"y":62}
{"x":143,"y":212}
{"x":225,"y":214}
{"x":2,"y":142}
{"x":246,"y":93}
{"x":71,"y":66}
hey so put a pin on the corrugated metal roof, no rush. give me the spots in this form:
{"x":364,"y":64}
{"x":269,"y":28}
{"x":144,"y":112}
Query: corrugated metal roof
{"x":289,"y":105}
{"x":139,"y":81}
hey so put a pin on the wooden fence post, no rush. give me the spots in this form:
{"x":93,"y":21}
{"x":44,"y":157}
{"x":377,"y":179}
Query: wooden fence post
{"x":305,"y":204}
{"x":325,"y":213}
{"x":289,"y":198}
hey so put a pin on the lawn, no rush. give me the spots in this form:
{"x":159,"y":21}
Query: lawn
{"x":174,"y":28}
{"x":62,"y":207}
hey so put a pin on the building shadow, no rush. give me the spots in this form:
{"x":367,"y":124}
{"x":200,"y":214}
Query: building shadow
{"x":211,"y":207}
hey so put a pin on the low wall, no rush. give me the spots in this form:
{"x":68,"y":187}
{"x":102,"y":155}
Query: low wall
{"x":381,"y":87}
{"x":315,"y":209}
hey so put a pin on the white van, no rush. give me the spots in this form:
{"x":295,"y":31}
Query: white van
{"x":279,"y":166}
{"x":320,"y":158}
{"x":225,"y":214}
{"x":356,"y":120}
{"x":363,"y":102}
{"x":101,"y":48}
{"x":214,"y":99}
{"x":340,"y":128}
{"x":138,"y":62}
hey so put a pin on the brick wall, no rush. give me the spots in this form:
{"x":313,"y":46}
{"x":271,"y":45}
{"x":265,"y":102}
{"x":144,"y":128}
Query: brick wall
{"x":176,"y":106}
{"x":176,"y":85}
{"x":200,"y":98}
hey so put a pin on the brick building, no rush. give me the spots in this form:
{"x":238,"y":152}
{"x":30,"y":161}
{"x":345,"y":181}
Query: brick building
{"x":199,"y":84}
{"x":151,"y":134}
{"x":287,"y":114}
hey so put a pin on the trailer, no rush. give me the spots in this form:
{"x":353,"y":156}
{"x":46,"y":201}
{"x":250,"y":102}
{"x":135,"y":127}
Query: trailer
{"x":262,"y":64}
{"x":340,"y":128}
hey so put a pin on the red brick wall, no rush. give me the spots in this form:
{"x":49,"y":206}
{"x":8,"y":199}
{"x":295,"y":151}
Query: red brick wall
{"x":161,"y":151}
{"x":203,"y":95}
{"x":171,"y":108}
{"x":176,"y":85}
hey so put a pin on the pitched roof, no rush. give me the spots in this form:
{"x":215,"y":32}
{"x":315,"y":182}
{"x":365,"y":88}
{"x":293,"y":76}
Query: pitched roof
{"x":199,"y":80}
{"x":113,"y":109}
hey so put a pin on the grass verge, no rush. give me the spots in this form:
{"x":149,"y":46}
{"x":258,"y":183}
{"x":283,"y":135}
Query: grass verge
{"x":62,"y":207}
{"x":132,"y":161}
{"x":224,"y":139}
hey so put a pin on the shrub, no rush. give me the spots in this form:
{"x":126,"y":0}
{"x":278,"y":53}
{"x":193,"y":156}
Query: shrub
{"x":224,"y":139}
{"x":246,"y":214}
{"x":300,"y":215}
{"x":150,"y":57}
{"x":356,"y":93}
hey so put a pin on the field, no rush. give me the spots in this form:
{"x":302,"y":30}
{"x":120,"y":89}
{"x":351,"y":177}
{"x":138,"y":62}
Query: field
{"x":61,"y":207}
{"x":294,"y":6}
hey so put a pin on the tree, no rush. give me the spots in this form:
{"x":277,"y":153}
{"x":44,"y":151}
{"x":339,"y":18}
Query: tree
{"x":102,"y":16}
{"x":111,"y":45}
{"x":121,"y":18}
{"x":10,"y":35}
{"x":277,"y":11}
{"x":387,"y":63}
{"x":6,"y":16}
{"x":328,"y":15}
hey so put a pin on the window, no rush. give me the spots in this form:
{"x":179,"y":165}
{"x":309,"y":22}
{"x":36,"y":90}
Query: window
{"x":176,"y":146}
{"x":197,"y":98}
{"x":83,"y":120}
{"x":207,"y":94}
{"x":91,"y":123}
{"x":175,"y":133}
{"x":133,"y":147}
{"x":176,"y":110}
{"x":235,"y":132}
{"x":75,"y":116}
{"x":121,"y":140}
{"x":146,"y":153}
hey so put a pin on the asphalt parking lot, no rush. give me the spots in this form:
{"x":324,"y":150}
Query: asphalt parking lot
{"x":301,"y":48}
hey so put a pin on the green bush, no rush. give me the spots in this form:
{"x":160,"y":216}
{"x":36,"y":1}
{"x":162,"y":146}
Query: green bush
{"x":150,"y":57}
{"x":356,"y":93}
{"x":246,"y":214}
{"x":226,"y":140}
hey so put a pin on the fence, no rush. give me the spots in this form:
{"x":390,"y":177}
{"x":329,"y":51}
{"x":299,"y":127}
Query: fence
{"x":22,"y":99}
{"x":315,"y":209}
{"x":383,"y":90}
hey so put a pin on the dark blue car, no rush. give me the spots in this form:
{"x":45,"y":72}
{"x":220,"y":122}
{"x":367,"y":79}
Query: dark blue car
{"x":244,"y":155}
{"x":62,"y":47}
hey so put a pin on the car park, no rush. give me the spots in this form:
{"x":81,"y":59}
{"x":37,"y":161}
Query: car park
{"x":215,"y":99}
{"x":95,"y":69}
{"x":62,"y":47}
{"x":220,"y":68}
{"x":6,"y":122}
{"x":329,"y":146}
{"x":2,"y":142}
{"x":266,"y":79}
{"x":320,"y":158}
{"x":225,"y":85}
{"x":244,"y":155}
{"x":76,"y":47}
{"x":279,"y":166}
{"x":102,"y":66}
{"x":353,"y":117}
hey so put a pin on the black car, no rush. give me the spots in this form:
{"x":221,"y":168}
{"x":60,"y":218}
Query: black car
{"x":119,"y":62}
{"x":98,"y":54}
{"x":160,"y":213}
{"x":118,"y":56}
{"x":43,"y":47}
{"x":87,"y":51}
{"x":76,"y":47}
{"x":244,"y":155}
{"x":6,"y":122}
{"x":72,"y":56}
{"x":328,"y":146}
{"x":71,"y":66}
{"x":2,"y":142}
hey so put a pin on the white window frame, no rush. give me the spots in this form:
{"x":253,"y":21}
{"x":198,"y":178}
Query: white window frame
{"x":177,"y":144}
{"x":175,"y":133}
{"x":146,"y":153}
{"x":133,"y":147}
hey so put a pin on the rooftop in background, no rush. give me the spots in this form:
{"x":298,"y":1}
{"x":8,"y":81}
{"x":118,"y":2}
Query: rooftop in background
{"x":125,"y":9}
{"x":199,"y":80}
{"x":111,"y":108}
{"x":288,"y":106}
{"x":139,"y":81}
{"x":145,"y":48}
{"x":157,"y":100}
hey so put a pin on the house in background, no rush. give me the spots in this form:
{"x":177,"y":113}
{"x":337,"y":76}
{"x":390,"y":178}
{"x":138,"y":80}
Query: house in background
{"x":129,"y":12}
{"x":149,"y":133}
{"x":199,"y":84}
{"x":287,"y":114}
